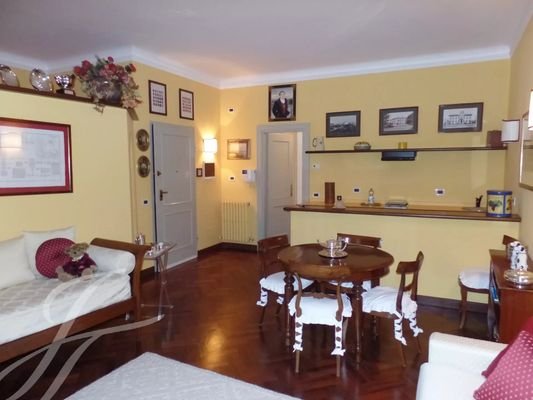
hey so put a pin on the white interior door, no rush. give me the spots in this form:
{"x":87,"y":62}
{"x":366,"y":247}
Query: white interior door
{"x":281,"y":181}
{"x":174,"y":190}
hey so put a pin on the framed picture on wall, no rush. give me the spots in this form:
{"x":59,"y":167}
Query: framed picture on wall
{"x":343,"y":124}
{"x":186,"y":104}
{"x":238,"y":149}
{"x":158,"y":97}
{"x":35,"y":157}
{"x":398,"y":121}
{"x":466,"y":117}
{"x":526,"y":155}
{"x":282,"y":103}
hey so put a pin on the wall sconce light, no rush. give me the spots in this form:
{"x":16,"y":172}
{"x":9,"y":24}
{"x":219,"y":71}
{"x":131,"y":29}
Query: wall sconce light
{"x":530,"y":118}
{"x":210,"y":146}
{"x":10,"y":141}
{"x":510,"y":130}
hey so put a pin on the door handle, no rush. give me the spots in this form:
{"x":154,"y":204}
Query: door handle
{"x":161,"y":193}
{"x":291,"y":189}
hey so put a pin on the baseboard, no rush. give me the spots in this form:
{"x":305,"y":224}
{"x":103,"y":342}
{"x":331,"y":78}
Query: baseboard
{"x":450,"y":304}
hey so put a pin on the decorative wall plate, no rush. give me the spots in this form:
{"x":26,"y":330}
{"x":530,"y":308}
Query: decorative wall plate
{"x":8,"y":77}
{"x":143,"y":140}
{"x":40,"y":81}
{"x":143,"y":166}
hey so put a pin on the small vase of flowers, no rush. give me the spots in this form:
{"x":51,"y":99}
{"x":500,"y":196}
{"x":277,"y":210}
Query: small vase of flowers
{"x":108,"y":83}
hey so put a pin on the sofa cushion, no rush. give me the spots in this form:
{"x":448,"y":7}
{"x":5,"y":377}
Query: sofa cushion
{"x":14,"y":267}
{"x":513,"y":376}
{"x":112,"y":260}
{"x":444,"y":382}
{"x":42,"y":303}
{"x":33,"y":239}
{"x":50,"y":255}
{"x":528,"y":327}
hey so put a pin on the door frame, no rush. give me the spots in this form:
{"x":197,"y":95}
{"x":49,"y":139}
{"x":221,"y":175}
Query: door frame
{"x":302,"y":165}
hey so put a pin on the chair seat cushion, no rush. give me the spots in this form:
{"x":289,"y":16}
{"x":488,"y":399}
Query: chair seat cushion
{"x":475,"y":278}
{"x":320,"y":310}
{"x":383,"y":299}
{"x":276,"y":283}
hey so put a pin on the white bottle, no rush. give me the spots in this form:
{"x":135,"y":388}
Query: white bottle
{"x":371,"y":198}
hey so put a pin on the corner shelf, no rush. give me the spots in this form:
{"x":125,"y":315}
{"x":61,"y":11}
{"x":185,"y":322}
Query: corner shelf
{"x":416,"y":149}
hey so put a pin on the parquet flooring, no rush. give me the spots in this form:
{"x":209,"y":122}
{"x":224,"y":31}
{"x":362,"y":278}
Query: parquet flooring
{"x":214,"y":325}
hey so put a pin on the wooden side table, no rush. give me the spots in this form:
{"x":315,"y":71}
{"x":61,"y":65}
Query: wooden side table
{"x":159,"y":253}
{"x":509,"y":306}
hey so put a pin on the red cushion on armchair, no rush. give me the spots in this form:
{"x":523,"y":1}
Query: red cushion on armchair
{"x":528,"y":327}
{"x":512,"y":378}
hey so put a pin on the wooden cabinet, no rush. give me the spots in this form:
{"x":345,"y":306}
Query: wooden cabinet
{"x":509,"y":307}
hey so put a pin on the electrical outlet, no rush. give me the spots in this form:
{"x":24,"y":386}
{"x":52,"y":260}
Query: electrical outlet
{"x":316,"y":194}
{"x":356,"y":190}
{"x":316,"y":166}
{"x":440,"y":192}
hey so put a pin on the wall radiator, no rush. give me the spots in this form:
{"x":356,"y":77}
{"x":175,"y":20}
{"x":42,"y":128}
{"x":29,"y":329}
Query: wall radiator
{"x":236,"y":222}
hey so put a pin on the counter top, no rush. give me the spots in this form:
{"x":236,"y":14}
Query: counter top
{"x":415,"y":210}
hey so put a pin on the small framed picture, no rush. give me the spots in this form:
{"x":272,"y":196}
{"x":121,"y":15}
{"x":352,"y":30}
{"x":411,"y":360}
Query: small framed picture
{"x":186,"y":104}
{"x":238,"y":149}
{"x":467,"y":117}
{"x":398,"y":121}
{"x":343,"y":124}
{"x":282,"y":103}
{"x":158,"y":97}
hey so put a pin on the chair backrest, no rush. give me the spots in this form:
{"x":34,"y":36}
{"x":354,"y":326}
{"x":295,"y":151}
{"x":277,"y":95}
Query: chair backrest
{"x":319,"y":273}
{"x":408,"y":268}
{"x":360,"y":239}
{"x":268,"y":249}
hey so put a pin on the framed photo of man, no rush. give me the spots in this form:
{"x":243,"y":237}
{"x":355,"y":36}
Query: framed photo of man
{"x":282,"y":103}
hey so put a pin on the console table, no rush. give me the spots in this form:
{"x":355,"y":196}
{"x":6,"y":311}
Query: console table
{"x":509,"y":307}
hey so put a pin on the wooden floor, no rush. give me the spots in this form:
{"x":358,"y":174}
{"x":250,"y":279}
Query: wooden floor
{"x":213,"y":325}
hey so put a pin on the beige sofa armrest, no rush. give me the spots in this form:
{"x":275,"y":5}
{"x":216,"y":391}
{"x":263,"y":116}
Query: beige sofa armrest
{"x":469,"y":354}
{"x":138,"y":251}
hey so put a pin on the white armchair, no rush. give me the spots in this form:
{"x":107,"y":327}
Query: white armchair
{"x":454,"y":367}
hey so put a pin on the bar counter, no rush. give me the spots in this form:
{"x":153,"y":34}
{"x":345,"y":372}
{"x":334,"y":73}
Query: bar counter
{"x":415,"y":210}
{"x":451,"y":238}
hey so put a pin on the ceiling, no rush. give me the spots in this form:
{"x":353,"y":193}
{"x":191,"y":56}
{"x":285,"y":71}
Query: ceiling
{"x":231,"y":43}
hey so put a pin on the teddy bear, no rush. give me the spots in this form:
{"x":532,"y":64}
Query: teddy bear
{"x":80,"y":264}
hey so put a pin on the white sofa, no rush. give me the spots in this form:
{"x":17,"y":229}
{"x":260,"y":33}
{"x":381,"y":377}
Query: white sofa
{"x":454,"y":367}
{"x":33,"y":308}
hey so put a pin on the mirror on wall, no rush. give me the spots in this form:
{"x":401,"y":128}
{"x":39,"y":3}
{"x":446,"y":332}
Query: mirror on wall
{"x":526,"y":155}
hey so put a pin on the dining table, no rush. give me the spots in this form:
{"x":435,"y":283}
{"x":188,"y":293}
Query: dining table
{"x":356,"y":264}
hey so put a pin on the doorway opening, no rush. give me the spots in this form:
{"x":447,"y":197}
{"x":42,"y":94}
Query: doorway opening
{"x":280,"y":148}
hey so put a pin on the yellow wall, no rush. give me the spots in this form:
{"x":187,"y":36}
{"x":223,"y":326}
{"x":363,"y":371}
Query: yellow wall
{"x":449,"y":245}
{"x":463,"y":175}
{"x":521,"y":84}
{"x":206,"y":124}
{"x":100,"y":205}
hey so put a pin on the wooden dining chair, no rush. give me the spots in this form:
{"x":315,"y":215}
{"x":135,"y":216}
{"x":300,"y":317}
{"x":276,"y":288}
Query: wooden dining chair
{"x":475,"y":280}
{"x":358,"y":240}
{"x":272,"y":278}
{"x":397,"y":303}
{"x":319,"y":308}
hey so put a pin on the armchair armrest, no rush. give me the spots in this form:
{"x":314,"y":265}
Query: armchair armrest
{"x":464,"y":353}
{"x":135,"y":276}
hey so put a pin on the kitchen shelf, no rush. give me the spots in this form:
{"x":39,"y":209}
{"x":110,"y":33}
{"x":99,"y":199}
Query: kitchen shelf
{"x":477,"y":148}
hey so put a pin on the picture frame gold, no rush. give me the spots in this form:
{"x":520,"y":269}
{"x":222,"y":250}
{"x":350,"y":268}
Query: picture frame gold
{"x":238,"y":149}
